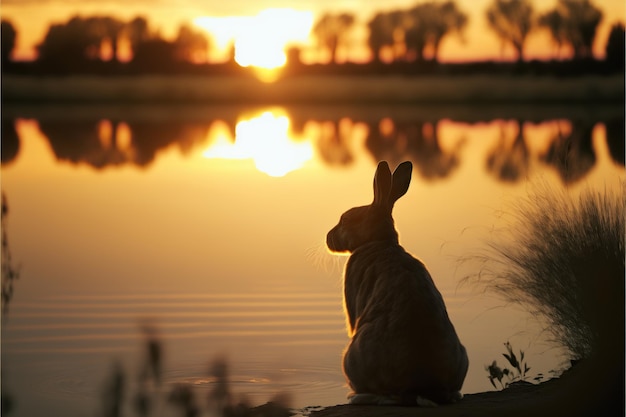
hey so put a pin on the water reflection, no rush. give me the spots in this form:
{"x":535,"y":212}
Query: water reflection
{"x":266,"y":139}
{"x":279,"y":143}
{"x":418,"y":141}
{"x":105,"y":143}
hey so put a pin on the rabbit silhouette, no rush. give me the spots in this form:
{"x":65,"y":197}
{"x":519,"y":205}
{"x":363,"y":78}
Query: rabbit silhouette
{"x":403,"y":348}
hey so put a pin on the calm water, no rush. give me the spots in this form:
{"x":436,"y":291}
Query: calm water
{"x":209,"y":223}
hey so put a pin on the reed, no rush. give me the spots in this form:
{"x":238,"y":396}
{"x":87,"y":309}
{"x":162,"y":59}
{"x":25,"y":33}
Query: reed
{"x":562,"y":259}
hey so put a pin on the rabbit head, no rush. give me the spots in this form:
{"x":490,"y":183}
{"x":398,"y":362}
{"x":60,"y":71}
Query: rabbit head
{"x":372,"y":223}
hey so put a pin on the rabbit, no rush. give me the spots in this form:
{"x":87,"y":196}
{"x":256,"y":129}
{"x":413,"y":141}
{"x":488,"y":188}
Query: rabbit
{"x":403,"y":347}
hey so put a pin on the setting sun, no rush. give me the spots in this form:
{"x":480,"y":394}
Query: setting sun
{"x":260,"y":40}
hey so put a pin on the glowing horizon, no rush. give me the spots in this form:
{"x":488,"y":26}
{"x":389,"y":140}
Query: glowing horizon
{"x":259,"y":40}
{"x":32,"y":19}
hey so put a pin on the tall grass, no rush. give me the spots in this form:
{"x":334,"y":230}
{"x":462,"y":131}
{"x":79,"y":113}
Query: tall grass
{"x":562,"y":259}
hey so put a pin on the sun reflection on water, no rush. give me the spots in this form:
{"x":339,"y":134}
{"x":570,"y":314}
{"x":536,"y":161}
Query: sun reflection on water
{"x":267,"y":140}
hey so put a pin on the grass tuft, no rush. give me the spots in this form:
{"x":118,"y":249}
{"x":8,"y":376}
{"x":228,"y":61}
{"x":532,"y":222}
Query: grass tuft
{"x":562,"y":259}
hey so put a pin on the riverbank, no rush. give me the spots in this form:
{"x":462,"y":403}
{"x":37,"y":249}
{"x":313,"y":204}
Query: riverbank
{"x":471,"y":89}
{"x":584,"y":390}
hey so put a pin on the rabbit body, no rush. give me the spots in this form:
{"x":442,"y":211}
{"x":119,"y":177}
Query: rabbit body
{"x":403,"y":345}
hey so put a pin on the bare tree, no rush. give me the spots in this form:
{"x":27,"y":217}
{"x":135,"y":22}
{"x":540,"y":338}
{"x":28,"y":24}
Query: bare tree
{"x":512,"y":20}
{"x":331,"y":31}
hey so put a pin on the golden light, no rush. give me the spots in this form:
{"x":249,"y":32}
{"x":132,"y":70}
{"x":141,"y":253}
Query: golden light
{"x":260,"y":40}
{"x":265,"y":139}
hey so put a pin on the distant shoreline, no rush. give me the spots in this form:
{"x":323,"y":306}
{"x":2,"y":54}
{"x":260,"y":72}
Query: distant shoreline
{"x":315,"y":89}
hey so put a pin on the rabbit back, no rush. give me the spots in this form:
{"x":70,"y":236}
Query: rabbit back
{"x":403,"y":342}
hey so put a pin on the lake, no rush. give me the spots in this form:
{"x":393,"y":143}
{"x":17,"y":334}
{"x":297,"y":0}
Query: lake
{"x":207,"y":223}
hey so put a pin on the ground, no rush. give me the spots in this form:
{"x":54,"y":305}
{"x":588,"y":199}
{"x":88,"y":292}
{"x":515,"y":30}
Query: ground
{"x":584,"y":390}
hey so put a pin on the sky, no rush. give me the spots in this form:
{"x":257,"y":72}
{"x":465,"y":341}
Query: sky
{"x":32,"y":18}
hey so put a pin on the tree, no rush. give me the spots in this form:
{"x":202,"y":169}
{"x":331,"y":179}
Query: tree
{"x":107,"y":29}
{"x":512,"y":20}
{"x":331,"y":31}
{"x":555,"y":23}
{"x":80,"y":39}
{"x":573,"y":22}
{"x":137,"y":32}
{"x":381,"y":30}
{"x":450,"y":19}
{"x":615,"y":46}
{"x":416,"y":30}
{"x":428,"y":23}
{"x":191,"y":45}
{"x":69,"y":44}
{"x":8,"y":36}
{"x":431,"y":22}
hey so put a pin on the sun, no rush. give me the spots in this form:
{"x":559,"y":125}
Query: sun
{"x":260,"y":41}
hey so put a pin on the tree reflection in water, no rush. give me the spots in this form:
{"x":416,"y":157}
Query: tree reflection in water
{"x":104,"y":143}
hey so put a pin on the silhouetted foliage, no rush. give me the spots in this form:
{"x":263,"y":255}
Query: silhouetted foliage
{"x":615,"y":138}
{"x":334,"y":143}
{"x":428,"y":23}
{"x":154,"y":53}
{"x":8,"y":35}
{"x":512,"y":21}
{"x":151,"y":393}
{"x":410,"y":33}
{"x":87,"y":142}
{"x":10,"y":273}
{"x":417,"y":141}
{"x":138,"y":32}
{"x":113,"y":395}
{"x":10,"y":141}
{"x":616,"y":47}
{"x":381,"y":33}
{"x":70,"y":44}
{"x":509,"y":160}
{"x":79,"y":43}
{"x":572,"y":154}
{"x":573,"y":23}
{"x":183,"y":398}
{"x":293,"y":56}
{"x":331,"y":31}
{"x":563,"y":260}
{"x":191,"y":45}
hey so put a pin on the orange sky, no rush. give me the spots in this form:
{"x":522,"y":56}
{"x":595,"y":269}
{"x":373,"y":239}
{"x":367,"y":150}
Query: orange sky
{"x":32,"y":17}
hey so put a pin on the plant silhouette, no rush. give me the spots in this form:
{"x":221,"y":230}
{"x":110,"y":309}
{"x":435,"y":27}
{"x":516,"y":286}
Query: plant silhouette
{"x":10,"y":272}
{"x":152,"y":394}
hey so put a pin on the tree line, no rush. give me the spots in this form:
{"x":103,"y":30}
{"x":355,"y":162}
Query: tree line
{"x":409,"y":34}
{"x":395,"y":36}
{"x":84,"y":39}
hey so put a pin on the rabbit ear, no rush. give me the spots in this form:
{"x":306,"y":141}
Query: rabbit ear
{"x":400,"y":182}
{"x":382,"y":184}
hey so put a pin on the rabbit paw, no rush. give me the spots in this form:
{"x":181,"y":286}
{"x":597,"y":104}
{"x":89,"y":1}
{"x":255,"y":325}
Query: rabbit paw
{"x":425,"y":402}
